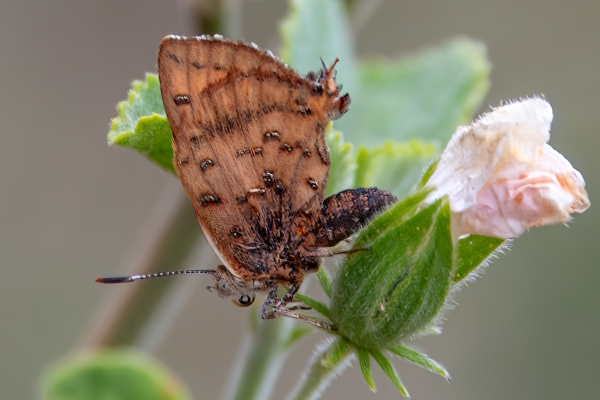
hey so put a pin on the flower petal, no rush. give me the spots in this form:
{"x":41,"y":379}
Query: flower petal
{"x":502,"y":178}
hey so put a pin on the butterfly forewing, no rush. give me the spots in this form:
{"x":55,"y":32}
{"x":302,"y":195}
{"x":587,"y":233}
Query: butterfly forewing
{"x":249,"y":148}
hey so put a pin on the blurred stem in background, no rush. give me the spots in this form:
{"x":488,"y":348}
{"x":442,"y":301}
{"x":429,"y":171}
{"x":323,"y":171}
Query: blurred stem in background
{"x":260,"y":359}
{"x":167,"y":238}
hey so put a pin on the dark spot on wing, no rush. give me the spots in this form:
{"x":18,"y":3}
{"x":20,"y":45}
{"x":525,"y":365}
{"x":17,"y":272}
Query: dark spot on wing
{"x":182,"y":99}
{"x":279,"y":187}
{"x":208,"y":199}
{"x":173,"y":57}
{"x":206,"y":163}
{"x":242,"y":152}
{"x":272,"y":135}
{"x":268,"y":178}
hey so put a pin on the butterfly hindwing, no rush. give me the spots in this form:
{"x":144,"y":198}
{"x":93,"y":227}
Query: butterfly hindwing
{"x":249,"y":148}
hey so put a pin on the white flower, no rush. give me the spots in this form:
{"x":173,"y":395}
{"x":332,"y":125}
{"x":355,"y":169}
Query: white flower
{"x":502,"y":177}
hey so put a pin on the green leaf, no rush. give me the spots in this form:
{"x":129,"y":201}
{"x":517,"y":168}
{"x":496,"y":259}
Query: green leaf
{"x":314,"y":304}
{"x":471,"y":252}
{"x":111,"y":375}
{"x":393,"y":166}
{"x":325,"y":281}
{"x":343,"y":163}
{"x":424,"y":96}
{"x":364,"y":361}
{"x":398,"y":287}
{"x":420,"y":359}
{"x":389,"y":370}
{"x":142,"y":123}
{"x":144,"y":99}
{"x":319,"y":29}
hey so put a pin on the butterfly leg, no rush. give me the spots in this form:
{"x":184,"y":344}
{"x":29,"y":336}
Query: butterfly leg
{"x":286,"y":312}
{"x":289,"y":296}
{"x":326,"y":252}
{"x":269,"y":308}
{"x":273,"y":308}
{"x":299,"y":306}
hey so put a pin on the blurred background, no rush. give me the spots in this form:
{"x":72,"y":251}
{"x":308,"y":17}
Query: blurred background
{"x":72,"y":209}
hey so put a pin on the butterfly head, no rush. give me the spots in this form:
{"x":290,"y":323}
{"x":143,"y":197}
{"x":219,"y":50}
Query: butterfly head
{"x":325,"y":81}
{"x":227,"y":284}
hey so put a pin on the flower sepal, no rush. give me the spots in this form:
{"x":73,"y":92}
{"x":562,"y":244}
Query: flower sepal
{"x":397,"y":285}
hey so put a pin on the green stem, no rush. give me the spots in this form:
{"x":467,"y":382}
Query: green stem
{"x":259,"y":359}
{"x":322,"y":369}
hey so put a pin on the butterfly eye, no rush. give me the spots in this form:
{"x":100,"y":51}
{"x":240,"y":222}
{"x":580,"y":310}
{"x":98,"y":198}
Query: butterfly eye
{"x":244,"y":300}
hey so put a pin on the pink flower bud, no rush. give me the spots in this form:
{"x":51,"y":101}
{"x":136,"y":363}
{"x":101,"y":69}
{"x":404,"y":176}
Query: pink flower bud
{"x":502,"y":177}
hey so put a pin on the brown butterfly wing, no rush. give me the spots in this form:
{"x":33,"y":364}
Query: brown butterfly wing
{"x":249,"y":145}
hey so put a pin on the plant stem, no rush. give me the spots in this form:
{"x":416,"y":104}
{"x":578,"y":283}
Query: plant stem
{"x":259,"y":359}
{"x":362,"y":12}
{"x":322,"y":369}
{"x":232,"y":18}
{"x":164,"y":242}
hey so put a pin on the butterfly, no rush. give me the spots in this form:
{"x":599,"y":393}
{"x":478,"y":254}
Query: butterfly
{"x":250,"y":151}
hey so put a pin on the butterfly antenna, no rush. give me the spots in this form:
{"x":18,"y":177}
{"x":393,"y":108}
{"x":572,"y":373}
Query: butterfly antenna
{"x":323,"y":64}
{"x":330,"y":70}
{"x":131,"y":278}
